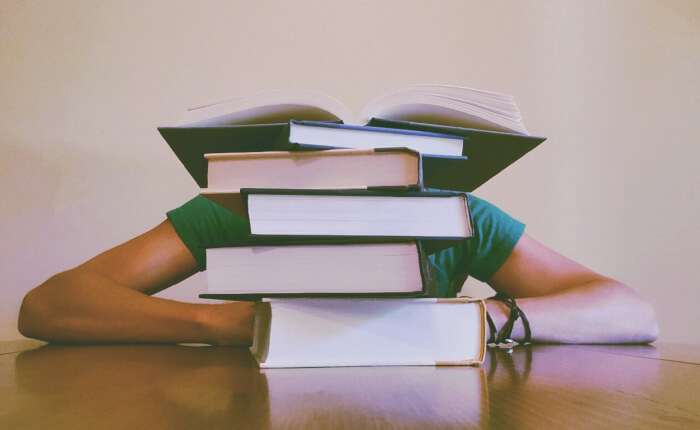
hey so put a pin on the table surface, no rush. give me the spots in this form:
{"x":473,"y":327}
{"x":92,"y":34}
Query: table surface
{"x":176,"y":386}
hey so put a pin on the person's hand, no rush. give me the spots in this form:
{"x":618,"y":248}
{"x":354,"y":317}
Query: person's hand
{"x":230,"y":323}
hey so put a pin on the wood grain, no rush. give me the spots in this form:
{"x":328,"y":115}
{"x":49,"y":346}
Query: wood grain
{"x":169,"y":386}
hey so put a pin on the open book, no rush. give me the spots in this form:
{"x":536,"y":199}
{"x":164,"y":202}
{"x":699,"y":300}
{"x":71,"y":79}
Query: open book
{"x":431,"y":104}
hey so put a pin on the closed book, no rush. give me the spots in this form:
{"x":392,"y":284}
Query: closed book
{"x":320,"y":134}
{"x":306,"y":332}
{"x":319,"y":268}
{"x":442,"y":218}
{"x":332,"y":169}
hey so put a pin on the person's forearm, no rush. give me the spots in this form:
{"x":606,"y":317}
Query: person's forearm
{"x":84,"y":307}
{"x":603,"y":311}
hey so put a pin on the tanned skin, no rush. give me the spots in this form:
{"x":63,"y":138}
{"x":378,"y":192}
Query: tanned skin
{"x":109,"y":299}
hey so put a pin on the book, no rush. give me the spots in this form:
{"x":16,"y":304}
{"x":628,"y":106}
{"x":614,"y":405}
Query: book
{"x":441,"y":104}
{"x":324,"y":135}
{"x":325,"y":268}
{"x":441,"y":216}
{"x":255,"y":123}
{"x":332,"y":169}
{"x":304,"y":332}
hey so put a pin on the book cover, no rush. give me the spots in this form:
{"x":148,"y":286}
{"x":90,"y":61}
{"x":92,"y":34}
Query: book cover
{"x":487,"y":154}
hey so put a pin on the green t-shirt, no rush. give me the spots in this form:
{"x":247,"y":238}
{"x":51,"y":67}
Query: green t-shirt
{"x":200,"y":221}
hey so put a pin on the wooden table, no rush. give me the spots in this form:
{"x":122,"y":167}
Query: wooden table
{"x":169,"y":386}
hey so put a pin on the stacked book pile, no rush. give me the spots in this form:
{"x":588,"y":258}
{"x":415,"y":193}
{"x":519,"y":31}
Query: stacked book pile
{"x":343,"y":217}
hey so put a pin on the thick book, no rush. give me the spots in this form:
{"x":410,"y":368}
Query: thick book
{"x":439,"y":217}
{"x":304,"y":332}
{"x":319,"y":269}
{"x":333,"y":169}
{"x":440,"y":104}
{"x":323,"y":135}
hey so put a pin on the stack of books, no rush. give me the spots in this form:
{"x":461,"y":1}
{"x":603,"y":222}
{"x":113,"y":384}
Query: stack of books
{"x":343,"y":218}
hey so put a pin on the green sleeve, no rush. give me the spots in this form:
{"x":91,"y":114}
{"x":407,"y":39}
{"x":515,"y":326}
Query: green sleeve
{"x":203,"y":222}
{"x":495,"y":236}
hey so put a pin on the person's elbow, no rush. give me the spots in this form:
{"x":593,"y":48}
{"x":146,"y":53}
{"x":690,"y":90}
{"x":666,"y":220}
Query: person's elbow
{"x":36,"y":312}
{"x":649,"y":325}
{"x":29,"y":316}
{"x":641,"y":318}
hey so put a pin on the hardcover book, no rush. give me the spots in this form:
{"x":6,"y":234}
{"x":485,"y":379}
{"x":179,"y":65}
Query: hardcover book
{"x":333,"y":169}
{"x":440,"y":217}
{"x":305,"y":332}
{"x":325,"y":268}
{"x":324,"y":135}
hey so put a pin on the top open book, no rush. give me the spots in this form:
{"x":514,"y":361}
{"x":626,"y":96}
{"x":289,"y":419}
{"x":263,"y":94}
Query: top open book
{"x":431,"y":104}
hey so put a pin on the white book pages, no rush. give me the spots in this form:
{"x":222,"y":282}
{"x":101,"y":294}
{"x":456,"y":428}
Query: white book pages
{"x":451,"y":105}
{"x":373,"y":332}
{"x":354,"y":215}
{"x":331,"y":169}
{"x":266,"y":108}
{"x":293,"y":269}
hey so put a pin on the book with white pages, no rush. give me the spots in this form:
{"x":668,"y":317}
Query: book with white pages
{"x":398,"y":168}
{"x":319,"y":269}
{"x":438,"y":218}
{"x":330,"y":332}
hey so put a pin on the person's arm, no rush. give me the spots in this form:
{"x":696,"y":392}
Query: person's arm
{"x":566,"y":302}
{"x":107,"y":299}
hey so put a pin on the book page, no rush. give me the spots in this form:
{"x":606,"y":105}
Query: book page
{"x":444,"y":105}
{"x":268,"y":108}
{"x":347,"y":332}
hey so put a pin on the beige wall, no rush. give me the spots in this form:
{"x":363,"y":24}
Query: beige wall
{"x":613,"y":84}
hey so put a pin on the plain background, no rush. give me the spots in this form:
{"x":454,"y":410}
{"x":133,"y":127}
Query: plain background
{"x":612,"y":84}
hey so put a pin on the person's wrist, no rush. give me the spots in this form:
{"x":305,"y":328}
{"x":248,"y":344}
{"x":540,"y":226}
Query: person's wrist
{"x":229,"y":324}
{"x":499,"y":313}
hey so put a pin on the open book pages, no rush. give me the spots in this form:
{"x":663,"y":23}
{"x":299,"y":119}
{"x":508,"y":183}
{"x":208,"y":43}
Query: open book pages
{"x":432,"y":104}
